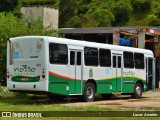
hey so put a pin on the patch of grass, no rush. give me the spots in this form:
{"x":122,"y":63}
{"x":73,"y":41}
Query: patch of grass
{"x":27,"y":102}
{"x":93,"y":108}
{"x":4,"y":92}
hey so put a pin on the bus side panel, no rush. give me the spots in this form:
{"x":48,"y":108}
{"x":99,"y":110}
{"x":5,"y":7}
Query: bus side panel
{"x":102,"y":77}
{"x":104,"y":87}
{"x":58,"y":88}
{"x":58,"y":79}
{"x":130,"y":78}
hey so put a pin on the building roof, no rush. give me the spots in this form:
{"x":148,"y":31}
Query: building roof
{"x":101,"y":30}
{"x":86,"y":30}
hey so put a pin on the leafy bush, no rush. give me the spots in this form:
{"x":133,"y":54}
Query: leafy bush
{"x":11,"y":26}
{"x":141,"y":5}
{"x":122,"y":12}
{"x":158,"y":12}
{"x":38,"y":2}
{"x":103,"y":17}
{"x":75,"y":22}
{"x":69,"y":9}
{"x":8,"y":5}
{"x":4,"y":92}
{"x":153,"y":20}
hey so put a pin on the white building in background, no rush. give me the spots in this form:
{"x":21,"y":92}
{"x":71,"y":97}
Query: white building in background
{"x":49,"y":15}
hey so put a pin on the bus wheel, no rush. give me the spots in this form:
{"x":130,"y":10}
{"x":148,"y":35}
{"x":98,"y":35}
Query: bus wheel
{"x":89,"y":92}
{"x":137,"y":91}
{"x":106,"y":96}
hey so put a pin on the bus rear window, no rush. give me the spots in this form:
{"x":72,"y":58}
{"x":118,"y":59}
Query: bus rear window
{"x":58,"y":53}
{"x":25,"y":49}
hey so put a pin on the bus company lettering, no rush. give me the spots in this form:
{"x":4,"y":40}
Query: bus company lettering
{"x":129,"y":73}
{"x":24,"y":68}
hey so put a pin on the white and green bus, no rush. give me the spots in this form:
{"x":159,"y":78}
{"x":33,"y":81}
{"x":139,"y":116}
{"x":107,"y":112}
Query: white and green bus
{"x":59,"y":66}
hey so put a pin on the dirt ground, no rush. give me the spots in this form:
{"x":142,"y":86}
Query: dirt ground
{"x":150,"y":101}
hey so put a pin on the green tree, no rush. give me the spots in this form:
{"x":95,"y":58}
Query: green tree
{"x":103,"y":17}
{"x":8,"y":5}
{"x":97,"y":14}
{"x":38,"y":2}
{"x":122,"y":12}
{"x":11,"y":26}
{"x":75,"y":22}
{"x":153,"y":20}
{"x":158,"y":12}
{"x":68,"y":9}
{"x":140,"y":6}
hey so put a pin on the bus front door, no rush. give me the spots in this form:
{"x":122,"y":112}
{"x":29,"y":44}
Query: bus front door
{"x":117,"y":73}
{"x":150,"y":73}
{"x":75,"y":71}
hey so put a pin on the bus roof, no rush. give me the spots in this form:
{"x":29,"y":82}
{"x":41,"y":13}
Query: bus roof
{"x":88,"y":44}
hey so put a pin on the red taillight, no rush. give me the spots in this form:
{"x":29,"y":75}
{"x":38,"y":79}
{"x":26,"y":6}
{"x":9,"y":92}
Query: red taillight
{"x":43,"y":76}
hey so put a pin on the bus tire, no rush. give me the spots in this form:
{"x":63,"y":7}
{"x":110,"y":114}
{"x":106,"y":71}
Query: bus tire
{"x":106,"y":96}
{"x":137,"y":91}
{"x":89,"y":92}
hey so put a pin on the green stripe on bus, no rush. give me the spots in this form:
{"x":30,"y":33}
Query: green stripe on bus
{"x":66,"y":86}
{"x":63,"y":85}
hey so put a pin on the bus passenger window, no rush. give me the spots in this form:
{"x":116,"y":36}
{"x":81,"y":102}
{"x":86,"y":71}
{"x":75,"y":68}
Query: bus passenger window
{"x":119,"y":61}
{"x":128,"y":60}
{"x":105,"y":57}
{"x":72,"y":58}
{"x":78,"y":58}
{"x":114,"y":62}
{"x":139,"y":60}
{"x":91,"y":56}
{"x":58,"y":53}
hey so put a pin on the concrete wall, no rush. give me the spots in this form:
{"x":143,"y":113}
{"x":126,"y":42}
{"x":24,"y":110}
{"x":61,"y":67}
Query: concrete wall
{"x":36,"y":11}
{"x":141,"y":40}
{"x":49,"y":15}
